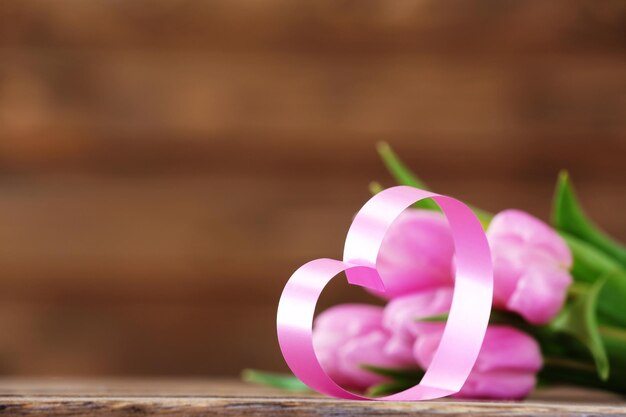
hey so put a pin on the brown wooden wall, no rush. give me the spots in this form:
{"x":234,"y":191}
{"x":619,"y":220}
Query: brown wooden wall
{"x":165,"y":165}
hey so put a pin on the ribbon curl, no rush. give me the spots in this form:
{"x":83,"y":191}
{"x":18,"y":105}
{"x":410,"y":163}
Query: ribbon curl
{"x":469,"y":314}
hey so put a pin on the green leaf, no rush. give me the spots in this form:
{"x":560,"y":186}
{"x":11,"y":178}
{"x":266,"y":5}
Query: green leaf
{"x":397,"y":374}
{"x":589,"y":262}
{"x":388,"y":388}
{"x":614,"y":339}
{"x":402,"y":174}
{"x":578,"y":320}
{"x":437,"y":318}
{"x":612,"y":299}
{"x":281,"y":381}
{"x":571,"y":370}
{"x":396,"y":167}
{"x":568,"y":216}
{"x":559,"y":375}
{"x":401,"y":379}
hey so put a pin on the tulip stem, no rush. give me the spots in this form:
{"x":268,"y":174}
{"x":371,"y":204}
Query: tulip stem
{"x":578,"y":288}
{"x":568,"y":363}
{"x":613,"y":332}
{"x":568,"y":370}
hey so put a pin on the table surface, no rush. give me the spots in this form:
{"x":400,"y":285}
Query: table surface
{"x":227,"y":397}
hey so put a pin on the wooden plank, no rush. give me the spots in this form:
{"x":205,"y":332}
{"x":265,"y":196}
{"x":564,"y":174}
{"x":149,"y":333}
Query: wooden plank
{"x":159,"y":275}
{"x":185,"y":238}
{"x":514,"y":157}
{"x":380,"y":26}
{"x":226,"y":398}
{"x":138,"y":338}
{"x":125,"y":234}
{"x":76,"y":94}
{"x":68,"y":111}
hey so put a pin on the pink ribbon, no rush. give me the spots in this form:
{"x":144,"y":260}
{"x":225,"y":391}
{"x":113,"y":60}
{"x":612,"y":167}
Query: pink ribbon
{"x":467,"y":320}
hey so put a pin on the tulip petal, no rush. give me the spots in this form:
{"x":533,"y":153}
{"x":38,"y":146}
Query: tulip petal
{"x":416,"y":254}
{"x":368,"y":349}
{"x":506,"y":366}
{"x":401,"y":315}
{"x":498,"y":385}
{"x":532,"y":231}
{"x":349,"y":319}
{"x":540,"y":293}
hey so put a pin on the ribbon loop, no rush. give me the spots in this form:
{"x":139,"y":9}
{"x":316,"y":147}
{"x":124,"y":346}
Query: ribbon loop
{"x":469,"y":313}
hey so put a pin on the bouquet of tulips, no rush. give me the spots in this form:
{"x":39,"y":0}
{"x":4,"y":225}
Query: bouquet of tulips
{"x":559,"y":304}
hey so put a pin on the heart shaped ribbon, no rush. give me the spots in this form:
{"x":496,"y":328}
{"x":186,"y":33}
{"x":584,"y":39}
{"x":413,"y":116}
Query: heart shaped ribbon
{"x":469,"y":314}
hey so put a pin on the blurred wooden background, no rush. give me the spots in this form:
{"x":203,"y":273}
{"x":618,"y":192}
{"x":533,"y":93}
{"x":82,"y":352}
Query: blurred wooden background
{"x":165,"y":165}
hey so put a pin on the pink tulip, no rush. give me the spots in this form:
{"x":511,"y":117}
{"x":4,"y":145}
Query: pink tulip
{"x":402,"y":314}
{"x":531,"y":266}
{"x":416,"y":253}
{"x":347,"y":336}
{"x":506,"y":367}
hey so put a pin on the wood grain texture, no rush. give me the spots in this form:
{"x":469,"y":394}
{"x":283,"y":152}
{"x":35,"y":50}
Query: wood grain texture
{"x":228,"y":398}
{"x":372,"y":26}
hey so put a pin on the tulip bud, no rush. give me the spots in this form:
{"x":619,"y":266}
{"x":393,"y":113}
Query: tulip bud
{"x":348,"y":336}
{"x":531,"y":266}
{"x":506,"y":367}
{"x":416,"y":253}
{"x":401,"y":315}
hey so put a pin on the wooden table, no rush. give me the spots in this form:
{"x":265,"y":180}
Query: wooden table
{"x":171,"y":397}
